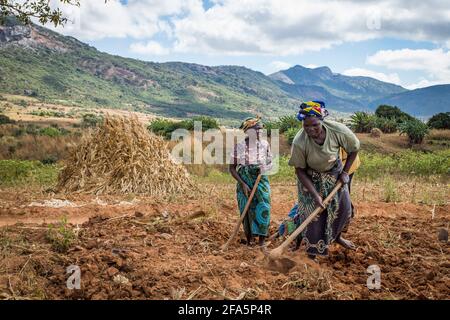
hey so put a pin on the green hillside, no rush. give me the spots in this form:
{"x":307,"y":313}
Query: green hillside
{"x":53,"y":68}
{"x":61,"y":69}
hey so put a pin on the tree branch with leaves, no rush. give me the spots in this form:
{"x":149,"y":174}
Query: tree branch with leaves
{"x":25,"y":10}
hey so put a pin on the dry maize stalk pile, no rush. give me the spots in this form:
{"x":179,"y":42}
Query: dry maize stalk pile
{"x":121,"y":156}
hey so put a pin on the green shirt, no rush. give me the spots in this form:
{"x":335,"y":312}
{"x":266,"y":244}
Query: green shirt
{"x":306,"y":152}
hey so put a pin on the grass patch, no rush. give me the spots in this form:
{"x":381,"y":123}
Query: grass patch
{"x":405,"y":163}
{"x":22,"y":172}
{"x":390,"y":190}
{"x":373,"y":166}
{"x":397,"y":188}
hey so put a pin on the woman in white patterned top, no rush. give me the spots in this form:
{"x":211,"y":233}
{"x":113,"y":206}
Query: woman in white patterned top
{"x":252,"y":157}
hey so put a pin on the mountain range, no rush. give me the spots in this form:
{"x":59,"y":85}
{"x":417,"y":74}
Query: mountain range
{"x":340,"y":91}
{"x":55,"y":68}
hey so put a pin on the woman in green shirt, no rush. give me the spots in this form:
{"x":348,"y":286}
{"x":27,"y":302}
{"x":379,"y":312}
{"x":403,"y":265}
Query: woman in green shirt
{"x":315,"y":156}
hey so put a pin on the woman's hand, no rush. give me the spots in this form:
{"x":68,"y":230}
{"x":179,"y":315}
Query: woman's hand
{"x":344,"y":178}
{"x":306,"y":181}
{"x":246,"y":189}
{"x":319,"y":201}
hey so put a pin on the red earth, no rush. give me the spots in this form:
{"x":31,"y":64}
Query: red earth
{"x":150,"y":249}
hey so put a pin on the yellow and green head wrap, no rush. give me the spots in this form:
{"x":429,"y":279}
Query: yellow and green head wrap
{"x":312,"y":109}
{"x":250,"y":123}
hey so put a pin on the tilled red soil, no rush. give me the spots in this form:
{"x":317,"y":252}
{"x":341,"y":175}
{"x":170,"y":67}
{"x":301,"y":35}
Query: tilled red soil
{"x":173,"y":252}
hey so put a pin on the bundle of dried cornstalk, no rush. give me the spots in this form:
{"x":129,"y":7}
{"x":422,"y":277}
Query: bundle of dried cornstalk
{"x":121,"y":156}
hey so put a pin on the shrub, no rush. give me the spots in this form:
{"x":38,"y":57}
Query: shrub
{"x":5,"y":119}
{"x":50,"y":159}
{"x":290,"y":134}
{"x":207,"y":122}
{"x":386,"y":125}
{"x":363,"y":122}
{"x":90,"y":120}
{"x":50,"y":132}
{"x":415,"y":129}
{"x":163,"y":127}
{"x":438,"y":121}
{"x":287,"y":122}
{"x":23,"y":103}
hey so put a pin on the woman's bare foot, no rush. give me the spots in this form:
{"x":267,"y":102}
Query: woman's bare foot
{"x":347,"y":244}
{"x":261,"y":241}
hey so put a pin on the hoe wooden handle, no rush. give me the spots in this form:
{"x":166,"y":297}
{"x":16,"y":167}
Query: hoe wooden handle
{"x":247,"y":205}
{"x":277,"y":252}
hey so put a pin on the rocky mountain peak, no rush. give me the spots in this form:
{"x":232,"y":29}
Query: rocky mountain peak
{"x":28,"y":37}
{"x":18,"y":34}
{"x":323,"y":72}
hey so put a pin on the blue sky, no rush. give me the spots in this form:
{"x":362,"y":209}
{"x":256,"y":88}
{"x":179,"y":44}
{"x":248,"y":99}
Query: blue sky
{"x":403,"y":42}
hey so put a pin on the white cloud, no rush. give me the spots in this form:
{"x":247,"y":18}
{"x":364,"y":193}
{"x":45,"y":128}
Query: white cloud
{"x":435,"y":63}
{"x":149,"y":48}
{"x":293,"y":26}
{"x":140,"y":19}
{"x":279,"y":65}
{"x":243,"y":27}
{"x":311,"y":66}
{"x":391,"y":78}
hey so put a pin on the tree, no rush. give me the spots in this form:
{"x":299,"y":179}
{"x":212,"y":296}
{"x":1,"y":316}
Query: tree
{"x":440,"y":121}
{"x":390,"y":112}
{"x":40,"y":9}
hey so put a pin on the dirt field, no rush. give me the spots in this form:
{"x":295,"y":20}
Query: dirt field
{"x":140,"y":248}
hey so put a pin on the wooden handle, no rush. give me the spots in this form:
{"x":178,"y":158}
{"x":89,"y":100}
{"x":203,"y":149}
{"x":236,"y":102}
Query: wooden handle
{"x":277,"y":252}
{"x":247,"y":205}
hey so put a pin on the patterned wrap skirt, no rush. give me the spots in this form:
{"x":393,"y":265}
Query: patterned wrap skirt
{"x":325,"y":228}
{"x":258,"y":216}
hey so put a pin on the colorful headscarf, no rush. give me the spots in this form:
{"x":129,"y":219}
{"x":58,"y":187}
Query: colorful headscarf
{"x":250,"y":122}
{"x":312,"y":109}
